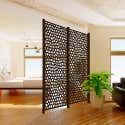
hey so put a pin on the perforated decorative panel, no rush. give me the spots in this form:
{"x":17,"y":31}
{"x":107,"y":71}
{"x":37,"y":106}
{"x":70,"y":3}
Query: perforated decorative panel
{"x":78,"y":65}
{"x":54,"y":66}
{"x":65,"y":65}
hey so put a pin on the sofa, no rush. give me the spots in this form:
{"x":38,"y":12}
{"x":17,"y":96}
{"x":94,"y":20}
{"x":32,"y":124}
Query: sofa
{"x":11,"y":84}
{"x":22,"y":83}
{"x":118,"y":94}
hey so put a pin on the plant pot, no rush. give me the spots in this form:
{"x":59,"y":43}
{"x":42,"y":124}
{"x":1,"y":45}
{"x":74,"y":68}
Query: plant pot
{"x":97,"y":102}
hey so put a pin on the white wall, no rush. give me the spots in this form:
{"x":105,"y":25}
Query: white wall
{"x":12,"y":56}
{"x":5,"y":56}
{"x":100,"y":38}
{"x":17,"y":57}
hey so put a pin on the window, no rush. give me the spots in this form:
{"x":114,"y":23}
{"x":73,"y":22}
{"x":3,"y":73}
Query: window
{"x":33,"y":62}
{"x":117,"y":59}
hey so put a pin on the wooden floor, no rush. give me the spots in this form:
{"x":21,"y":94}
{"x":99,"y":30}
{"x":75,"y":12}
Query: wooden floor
{"x":26,"y":110}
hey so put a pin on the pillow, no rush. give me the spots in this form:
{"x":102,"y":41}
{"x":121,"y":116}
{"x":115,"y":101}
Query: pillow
{"x":122,"y":80}
{"x":5,"y":75}
{"x":1,"y":77}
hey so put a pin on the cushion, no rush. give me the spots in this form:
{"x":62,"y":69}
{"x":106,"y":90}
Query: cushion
{"x":5,"y":75}
{"x":1,"y":77}
{"x":122,"y":80}
{"x":11,"y":84}
{"x":32,"y":83}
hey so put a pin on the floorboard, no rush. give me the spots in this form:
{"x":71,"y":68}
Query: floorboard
{"x":26,"y":110}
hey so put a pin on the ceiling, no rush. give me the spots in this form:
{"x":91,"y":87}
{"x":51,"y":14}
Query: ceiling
{"x":112,"y":9}
{"x":21,"y":19}
{"x":98,"y":12}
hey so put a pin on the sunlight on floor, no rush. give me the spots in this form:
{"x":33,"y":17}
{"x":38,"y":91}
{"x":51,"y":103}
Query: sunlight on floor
{"x":19,"y":106}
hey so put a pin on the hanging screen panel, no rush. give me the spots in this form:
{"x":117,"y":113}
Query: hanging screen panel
{"x":78,"y":65}
{"x":54,"y":66}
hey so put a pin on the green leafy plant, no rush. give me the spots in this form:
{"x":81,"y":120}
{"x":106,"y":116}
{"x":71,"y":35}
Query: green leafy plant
{"x":97,"y":82}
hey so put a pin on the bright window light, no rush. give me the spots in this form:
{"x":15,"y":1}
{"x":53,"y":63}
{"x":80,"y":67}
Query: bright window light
{"x":33,"y":63}
{"x":117,"y":60}
{"x":117,"y":68}
{"x":33,"y":67}
{"x":118,"y":45}
{"x":33,"y":52}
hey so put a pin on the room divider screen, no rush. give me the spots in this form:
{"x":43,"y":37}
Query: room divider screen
{"x":55,"y":66}
{"x":65,"y":65}
{"x":78,"y":65}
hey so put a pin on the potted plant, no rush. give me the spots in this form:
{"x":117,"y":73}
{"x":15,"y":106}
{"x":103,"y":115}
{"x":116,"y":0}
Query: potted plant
{"x":97,"y":83}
